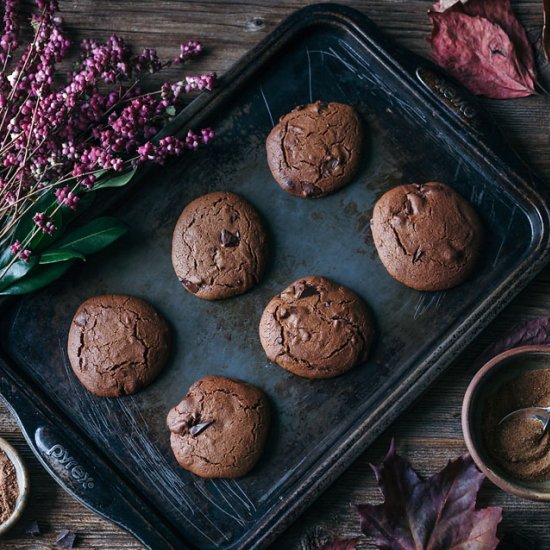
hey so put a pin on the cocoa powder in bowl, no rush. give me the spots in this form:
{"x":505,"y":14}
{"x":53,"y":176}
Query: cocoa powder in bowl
{"x":9,"y":488}
{"x":519,"y":445}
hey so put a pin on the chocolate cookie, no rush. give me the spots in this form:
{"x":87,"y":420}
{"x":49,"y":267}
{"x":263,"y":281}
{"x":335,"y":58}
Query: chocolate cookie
{"x":220,"y":427}
{"x":427,"y":236}
{"x":315,"y":149}
{"x":219,"y":247}
{"x":316,"y":328}
{"x":117,"y":345}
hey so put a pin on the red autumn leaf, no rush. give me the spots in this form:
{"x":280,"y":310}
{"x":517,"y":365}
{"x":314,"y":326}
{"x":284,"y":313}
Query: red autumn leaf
{"x":433,"y":514}
{"x":500,"y":13}
{"x":483,"y":45}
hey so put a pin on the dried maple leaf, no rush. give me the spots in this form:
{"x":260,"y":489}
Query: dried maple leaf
{"x":433,"y":514}
{"x":483,"y":45}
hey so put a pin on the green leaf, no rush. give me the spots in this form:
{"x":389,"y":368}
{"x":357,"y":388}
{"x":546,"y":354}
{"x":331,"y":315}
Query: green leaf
{"x":119,"y":180}
{"x":16,"y":271}
{"x":61,"y":218}
{"x":91,"y":237}
{"x":63,"y":255}
{"x":171,"y":110}
{"x":40,"y":277}
{"x":19,"y":279}
{"x":5,"y":257}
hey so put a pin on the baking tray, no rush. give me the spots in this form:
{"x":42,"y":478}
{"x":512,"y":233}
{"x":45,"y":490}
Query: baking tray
{"x":113,"y":454}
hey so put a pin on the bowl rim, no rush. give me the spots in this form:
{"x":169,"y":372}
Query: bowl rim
{"x":22,"y":481}
{"x":467,"y":403}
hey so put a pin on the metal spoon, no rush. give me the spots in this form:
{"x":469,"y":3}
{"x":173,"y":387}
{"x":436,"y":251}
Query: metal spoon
{"x":542,"y":414}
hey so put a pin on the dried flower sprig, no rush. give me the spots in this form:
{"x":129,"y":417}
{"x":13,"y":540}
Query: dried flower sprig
{"x":59,"y":143}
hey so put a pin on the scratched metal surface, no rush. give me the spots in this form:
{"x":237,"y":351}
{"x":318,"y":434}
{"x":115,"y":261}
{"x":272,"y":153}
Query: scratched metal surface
{"x":329,"y":237}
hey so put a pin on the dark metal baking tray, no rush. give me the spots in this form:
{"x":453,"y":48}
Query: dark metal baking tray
{"x":113,"y":454}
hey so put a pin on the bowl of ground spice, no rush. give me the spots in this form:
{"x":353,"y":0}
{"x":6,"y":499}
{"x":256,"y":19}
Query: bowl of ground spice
{"x":14,"y":486}
{"x":512,"y":450}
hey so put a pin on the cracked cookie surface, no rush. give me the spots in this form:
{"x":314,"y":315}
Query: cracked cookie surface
{"x":315,"y":149}
{"x":427,"y":236}
{"x":219,"y":246}
{"x":316,"y":328}
{"x":219,"y":429}
{"x":117,"y":345}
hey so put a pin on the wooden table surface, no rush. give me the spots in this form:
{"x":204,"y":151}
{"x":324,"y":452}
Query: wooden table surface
{"x":429,"y":433}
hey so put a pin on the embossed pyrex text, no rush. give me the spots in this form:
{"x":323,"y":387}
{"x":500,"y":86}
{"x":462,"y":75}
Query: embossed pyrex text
{"x":74,"y":469}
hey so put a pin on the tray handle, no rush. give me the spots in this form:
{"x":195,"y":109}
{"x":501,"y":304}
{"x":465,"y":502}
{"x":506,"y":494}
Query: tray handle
{"x":463,"y":105}
{"x":454,"y":97}
{"x":61,"y":452}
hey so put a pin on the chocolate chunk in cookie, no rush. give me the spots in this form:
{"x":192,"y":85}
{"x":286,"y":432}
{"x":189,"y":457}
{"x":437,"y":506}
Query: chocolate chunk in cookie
{"x":219,"y":247}
{"x":117,"y":345}
{"x":219,"y":429}
{"x":427,"y":236}
{"x":315,"y":149}
{"x":316,"y":328}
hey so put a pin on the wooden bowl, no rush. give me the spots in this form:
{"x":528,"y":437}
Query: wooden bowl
{"x":493,"y":374}
{"x":22,"y":481}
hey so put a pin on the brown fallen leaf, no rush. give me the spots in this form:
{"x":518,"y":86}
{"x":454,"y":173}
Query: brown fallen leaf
{"x":483,"y":45}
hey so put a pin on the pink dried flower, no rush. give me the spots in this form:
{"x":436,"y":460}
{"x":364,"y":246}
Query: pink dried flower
{"x":189,"y":49}
{"x":207,"y":135}
{"x":44,"y":223}
{"x":147,"y":151}
{"x":148,"y":60}
{"x":66,"y":197}
{"x":171,"y":145}
{"x":9,"y":38}
{"x":10,"y":198}
{"x":15,"y":248}
{"x":25,"y":255}
{"x":60,"y":131}
{"x":200,"y":82}
{"x":117,"y":164}
{"x":192,"y":141}
{"x":87,"y":181}
{"x":48,"y":6}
